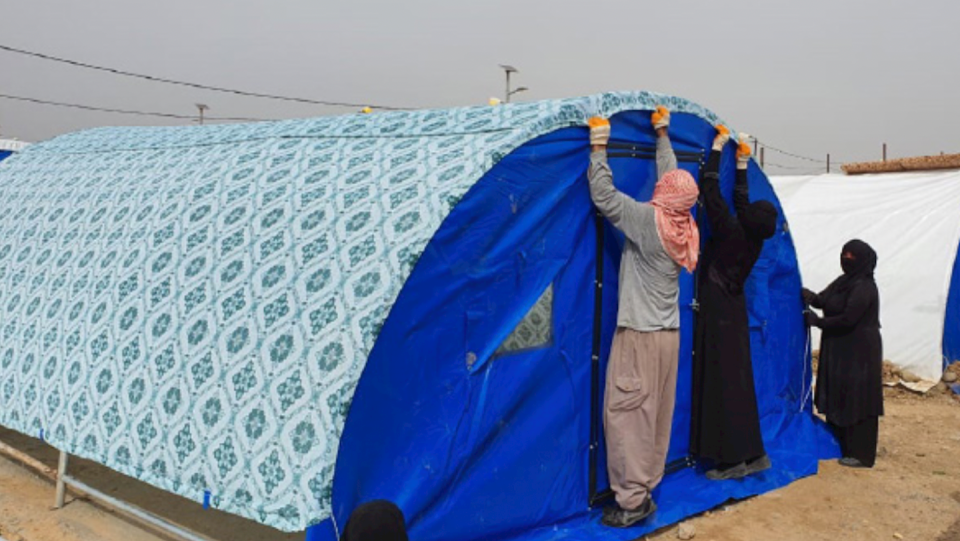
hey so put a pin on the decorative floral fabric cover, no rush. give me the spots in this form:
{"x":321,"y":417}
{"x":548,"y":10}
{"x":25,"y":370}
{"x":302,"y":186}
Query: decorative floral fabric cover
{"x":193,"y":306}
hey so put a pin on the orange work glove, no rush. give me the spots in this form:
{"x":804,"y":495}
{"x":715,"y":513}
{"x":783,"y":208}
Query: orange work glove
{"x":723,"y":135}
{"x":743,"y":155}
{"x":660,"y":118}
{"x":599,"y":130}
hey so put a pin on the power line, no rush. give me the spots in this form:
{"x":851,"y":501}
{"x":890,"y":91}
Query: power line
{"x":189,"y":84}
{"x":803,"y":167}
{"x":127,"y":111}
{"x":792,"y":155}
{"x":831,"y":161}
{"x":771,"y":164}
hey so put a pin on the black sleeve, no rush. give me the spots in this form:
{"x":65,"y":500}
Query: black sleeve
{"x":741,"y":192}
{"x":858,"y":301}
{"x":813,"y":299}
{"x":718,"y":213}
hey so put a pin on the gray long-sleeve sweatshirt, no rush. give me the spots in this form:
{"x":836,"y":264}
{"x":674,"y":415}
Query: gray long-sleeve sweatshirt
{"x":649,"y":285}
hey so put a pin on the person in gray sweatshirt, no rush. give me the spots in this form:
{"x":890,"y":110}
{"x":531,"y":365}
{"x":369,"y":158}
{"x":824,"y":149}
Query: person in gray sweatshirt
{"x":661,"y":239}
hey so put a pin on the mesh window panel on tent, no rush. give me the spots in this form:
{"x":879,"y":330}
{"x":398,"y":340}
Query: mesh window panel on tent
{"x":535,"y":330}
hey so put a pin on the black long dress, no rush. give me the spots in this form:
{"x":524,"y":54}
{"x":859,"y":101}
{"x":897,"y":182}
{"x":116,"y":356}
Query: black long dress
{"x":850,"y":372}
{"x":725,"y":424}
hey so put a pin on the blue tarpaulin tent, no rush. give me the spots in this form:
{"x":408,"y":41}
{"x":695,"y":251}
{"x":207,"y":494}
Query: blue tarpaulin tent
{"x":287,"y":319}
{"x":479,"y":435}
{"x":951,"y":322}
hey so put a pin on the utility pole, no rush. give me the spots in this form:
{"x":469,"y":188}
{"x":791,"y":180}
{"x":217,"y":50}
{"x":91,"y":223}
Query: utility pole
{"x":884,"y":152}
{"x":201,"y":107}
{"x":761,"y":156}
{"x":828,"y":162}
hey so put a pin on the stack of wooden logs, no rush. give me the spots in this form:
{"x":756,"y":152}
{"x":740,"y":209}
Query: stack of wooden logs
{"x":920,"y":163}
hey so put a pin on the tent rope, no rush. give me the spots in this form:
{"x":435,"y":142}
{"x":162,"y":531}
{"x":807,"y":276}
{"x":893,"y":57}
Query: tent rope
{"x":807,"y":389}
{"x":336,"y":528}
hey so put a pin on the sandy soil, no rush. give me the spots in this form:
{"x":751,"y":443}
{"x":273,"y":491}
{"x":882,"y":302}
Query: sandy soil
{"x":913,"y":493}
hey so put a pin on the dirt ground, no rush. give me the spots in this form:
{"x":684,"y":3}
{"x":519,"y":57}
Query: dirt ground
{"x":913,"y":493}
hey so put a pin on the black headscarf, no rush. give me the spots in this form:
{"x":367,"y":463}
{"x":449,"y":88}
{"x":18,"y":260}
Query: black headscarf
{"x":863,"y":260}
{"x":378,"y":520}
{"x":759,"y":219}
{"x":859,"y":266}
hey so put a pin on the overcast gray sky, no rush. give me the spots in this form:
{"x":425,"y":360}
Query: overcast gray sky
{"x":807,"y":76}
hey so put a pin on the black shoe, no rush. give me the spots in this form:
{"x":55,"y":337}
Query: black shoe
{"x":758,"y":465}
{"x":624,"y":518}
{"x":851,"y":462}
{"x":722,"y":474}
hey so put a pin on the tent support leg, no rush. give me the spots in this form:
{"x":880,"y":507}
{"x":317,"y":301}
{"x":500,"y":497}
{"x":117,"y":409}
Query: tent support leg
{"x":61,"y":480}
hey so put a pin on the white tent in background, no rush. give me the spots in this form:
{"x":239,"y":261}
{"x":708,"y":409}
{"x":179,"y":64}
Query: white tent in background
{"x":912,"y":220}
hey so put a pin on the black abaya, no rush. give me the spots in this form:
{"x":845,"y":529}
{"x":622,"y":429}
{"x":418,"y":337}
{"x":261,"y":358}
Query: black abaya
{"x":725,"y":424}
{"x":859,"y":441}
{"x":850,"y":372}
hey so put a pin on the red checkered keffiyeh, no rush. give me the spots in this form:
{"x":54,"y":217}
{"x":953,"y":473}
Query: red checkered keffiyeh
{"x":674,"y":195}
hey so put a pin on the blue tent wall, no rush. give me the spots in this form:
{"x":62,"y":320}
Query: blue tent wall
{"x":951,"y":320}
{"x":498,"y":447}
{"x":475,"y":280}
{"x":5,"y":154}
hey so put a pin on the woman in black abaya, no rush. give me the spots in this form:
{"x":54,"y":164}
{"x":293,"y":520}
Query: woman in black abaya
{"x":725,"y":424}
{"x":849,"y":377}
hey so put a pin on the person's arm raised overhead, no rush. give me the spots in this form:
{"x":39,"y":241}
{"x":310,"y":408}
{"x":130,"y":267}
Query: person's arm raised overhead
{"x":718,"y":213}
{"x":666,"y":158}
{"x":622,"y":210}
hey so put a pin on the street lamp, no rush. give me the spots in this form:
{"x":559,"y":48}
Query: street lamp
{"x":521,"y":89}
{"x":201,"y":107}
{"x":508,"y":70}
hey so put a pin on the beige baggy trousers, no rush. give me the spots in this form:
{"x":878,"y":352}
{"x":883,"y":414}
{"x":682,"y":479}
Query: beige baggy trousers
{"x":638,"y":410}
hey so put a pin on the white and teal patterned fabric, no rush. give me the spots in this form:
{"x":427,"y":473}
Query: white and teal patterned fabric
{"x":193,"y":306}
{"x":534,"y":330}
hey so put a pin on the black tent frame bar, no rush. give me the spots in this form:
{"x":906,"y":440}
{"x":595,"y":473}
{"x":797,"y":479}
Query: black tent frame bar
{"x":647,"y":152}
